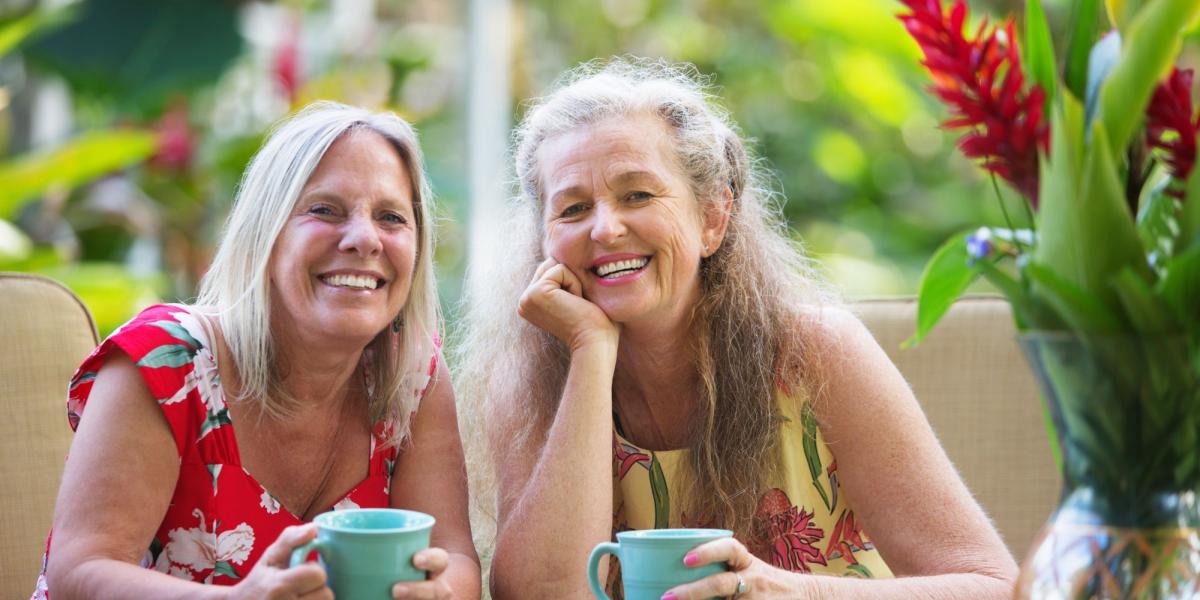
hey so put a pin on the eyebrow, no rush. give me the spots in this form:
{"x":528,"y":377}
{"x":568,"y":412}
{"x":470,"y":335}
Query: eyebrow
{"x":319,"y":195}
{"x":624,"y":178}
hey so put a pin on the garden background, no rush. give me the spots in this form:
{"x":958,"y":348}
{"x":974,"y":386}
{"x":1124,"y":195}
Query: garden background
{"x":125,"y":124}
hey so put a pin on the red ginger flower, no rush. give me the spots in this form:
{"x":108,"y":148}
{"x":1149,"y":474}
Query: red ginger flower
{"x":176,"y":142}
{"x":981,"y":81}
{"x":1171,"y":128}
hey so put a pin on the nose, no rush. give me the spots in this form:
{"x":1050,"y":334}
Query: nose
{"x":608,"y":225}
{"x":361,"y":236}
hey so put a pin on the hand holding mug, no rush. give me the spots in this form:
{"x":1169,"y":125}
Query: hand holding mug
{"x":434,"y":561}
{"x":365,"y":552}
{"x":653,"y":561}
{"x":271,"y":576}
{"x":748,"y":577}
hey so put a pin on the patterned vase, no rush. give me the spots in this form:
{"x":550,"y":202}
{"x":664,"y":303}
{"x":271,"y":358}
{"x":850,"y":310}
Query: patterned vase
{"x":1126,"y":417}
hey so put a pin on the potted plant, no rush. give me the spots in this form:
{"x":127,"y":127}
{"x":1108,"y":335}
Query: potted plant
{"x":1100,"y":260}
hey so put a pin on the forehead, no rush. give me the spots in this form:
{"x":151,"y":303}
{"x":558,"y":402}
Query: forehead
{"x":612,"y":146}
{"x":362,"y":158}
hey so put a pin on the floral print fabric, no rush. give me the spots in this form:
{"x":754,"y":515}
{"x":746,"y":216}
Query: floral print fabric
{"x":808,"y":523}
{"x":220,"y":518}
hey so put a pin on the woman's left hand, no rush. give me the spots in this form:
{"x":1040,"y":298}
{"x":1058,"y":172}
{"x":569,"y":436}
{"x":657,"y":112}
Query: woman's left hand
{"x":760,"y":579}
{"x":434,"y":560}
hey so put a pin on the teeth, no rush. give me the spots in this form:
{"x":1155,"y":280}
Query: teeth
{"x":352,"y":281}
{"x":621,"y":265}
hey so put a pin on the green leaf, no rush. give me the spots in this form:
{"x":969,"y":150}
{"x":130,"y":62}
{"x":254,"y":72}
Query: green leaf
{"x":946,"y":277}
{"x":1080,"y":310}
{"x":138,"y":55}
{"x":13,"y":32}
{"x":1083,"y":33}
{"x":1023,"y":313}
{"x":1147,"y":313}
{"x":1149,"y":50}
{"x":178,"y":332}
{"x":174,"y":355}
{"x":214,"y":421}
{"x":860,"y":570}
{"x":1039,"y":48}
{"x":226,"y":569}
{"x":1158,"y":226}
{"x":91,"y":155}
{"x":1189,"y":216}
{"x":1180,"y":288}
{"x":1094,"y":234}
{"x":811,"y":454}
{"x":662,"y":498}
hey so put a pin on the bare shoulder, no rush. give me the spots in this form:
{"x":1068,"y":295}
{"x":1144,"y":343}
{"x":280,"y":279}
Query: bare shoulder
{"x":846,"y":366}
{"x":835,"y":337}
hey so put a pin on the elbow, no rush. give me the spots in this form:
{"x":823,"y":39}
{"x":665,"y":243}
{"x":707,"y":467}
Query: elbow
{"x":64,"y":574}
{"x":516,"y":577}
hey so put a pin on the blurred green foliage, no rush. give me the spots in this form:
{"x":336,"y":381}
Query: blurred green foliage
{"x":830,"y":93}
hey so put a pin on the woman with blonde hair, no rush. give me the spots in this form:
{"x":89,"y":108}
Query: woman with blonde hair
{"x":306,"y":378}
{"x":677,"y":363}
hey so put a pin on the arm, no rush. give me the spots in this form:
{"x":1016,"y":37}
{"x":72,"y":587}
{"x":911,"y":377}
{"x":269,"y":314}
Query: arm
{"x":929,"y":529}
{"x":117,"y":484}
{"x":431,"y":477}
{"x":556,"y":497}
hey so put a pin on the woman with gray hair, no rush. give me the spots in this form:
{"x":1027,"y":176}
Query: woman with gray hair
{"x":306,"y":378}
{"x":677,"y":363}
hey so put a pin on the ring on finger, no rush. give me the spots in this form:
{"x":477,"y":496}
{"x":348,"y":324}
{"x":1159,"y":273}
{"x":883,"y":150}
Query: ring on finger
{"x":741,"y":586}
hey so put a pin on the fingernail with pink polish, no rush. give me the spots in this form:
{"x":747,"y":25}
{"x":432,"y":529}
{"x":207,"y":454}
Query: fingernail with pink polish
{"x":690,"y":559}
{"x":668,"y":596}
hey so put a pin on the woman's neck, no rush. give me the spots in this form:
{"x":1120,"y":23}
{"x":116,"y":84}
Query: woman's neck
{"x":656,"y":386}
{"x":314,"y":371}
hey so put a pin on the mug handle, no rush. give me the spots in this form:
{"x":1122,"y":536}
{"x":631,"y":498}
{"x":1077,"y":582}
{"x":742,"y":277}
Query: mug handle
{"x":594,"y":567}
{"x":300,"y":554}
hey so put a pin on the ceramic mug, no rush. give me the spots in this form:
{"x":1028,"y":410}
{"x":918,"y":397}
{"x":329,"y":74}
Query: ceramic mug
{"x":652,"y":560}
{"x":366,"y":550}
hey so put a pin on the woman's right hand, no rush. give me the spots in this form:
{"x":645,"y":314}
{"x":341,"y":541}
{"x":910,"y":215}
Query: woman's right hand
{"x":554,"y":303}
{"x":272,"y":578}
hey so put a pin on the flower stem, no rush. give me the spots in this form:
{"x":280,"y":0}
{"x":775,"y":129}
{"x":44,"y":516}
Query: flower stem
{"x":1000,"y":201}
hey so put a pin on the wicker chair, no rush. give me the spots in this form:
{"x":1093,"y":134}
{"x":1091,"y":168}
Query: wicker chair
{"x":46,"y":332}
{"x":981,"y":399}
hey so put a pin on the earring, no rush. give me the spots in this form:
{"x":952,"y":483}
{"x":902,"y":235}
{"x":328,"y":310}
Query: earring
{"x":397,"y":323}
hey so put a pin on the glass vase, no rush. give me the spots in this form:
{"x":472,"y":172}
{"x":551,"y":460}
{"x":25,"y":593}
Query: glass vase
{"x":1124,"y":411}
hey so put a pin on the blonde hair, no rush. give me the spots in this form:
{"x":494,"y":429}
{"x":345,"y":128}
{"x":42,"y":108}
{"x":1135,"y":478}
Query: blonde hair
{"x":753,"y":286}
{"x":237,"y":285}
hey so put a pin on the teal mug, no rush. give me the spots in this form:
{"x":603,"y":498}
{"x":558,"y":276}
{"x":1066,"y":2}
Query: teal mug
{"x":652,"y":561}
{"x":366,"y":550}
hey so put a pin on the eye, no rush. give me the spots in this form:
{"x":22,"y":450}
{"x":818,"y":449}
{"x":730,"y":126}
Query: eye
{"x":395,"y":218}
{"x":320,"y":210}
{"x":572,"y":210}
{"x":638,"y":196}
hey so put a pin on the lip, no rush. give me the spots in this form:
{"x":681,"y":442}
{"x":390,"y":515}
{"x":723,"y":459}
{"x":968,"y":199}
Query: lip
{"x":380,"y":280}
{"x":611,"y":258}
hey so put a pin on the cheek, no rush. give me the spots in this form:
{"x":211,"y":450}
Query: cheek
{"x":555,"y":242}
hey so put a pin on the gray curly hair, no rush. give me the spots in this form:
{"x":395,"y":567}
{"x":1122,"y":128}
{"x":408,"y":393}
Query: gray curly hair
{"x":745,"y":346}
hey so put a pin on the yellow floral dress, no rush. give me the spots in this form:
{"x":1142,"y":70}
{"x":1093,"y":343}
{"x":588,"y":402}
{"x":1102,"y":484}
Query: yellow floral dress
{"x":808,"y":522}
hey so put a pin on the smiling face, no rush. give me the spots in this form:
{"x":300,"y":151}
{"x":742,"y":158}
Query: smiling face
{"x":620,"y":215}
{"x":342,"y":267}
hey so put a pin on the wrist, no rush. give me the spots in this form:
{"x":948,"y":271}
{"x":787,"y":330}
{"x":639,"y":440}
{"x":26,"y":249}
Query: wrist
{"x":595,"y":345}
{"x":593,"y":348}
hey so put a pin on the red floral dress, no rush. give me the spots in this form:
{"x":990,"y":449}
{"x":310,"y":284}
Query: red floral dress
{"x":220,"y":518}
